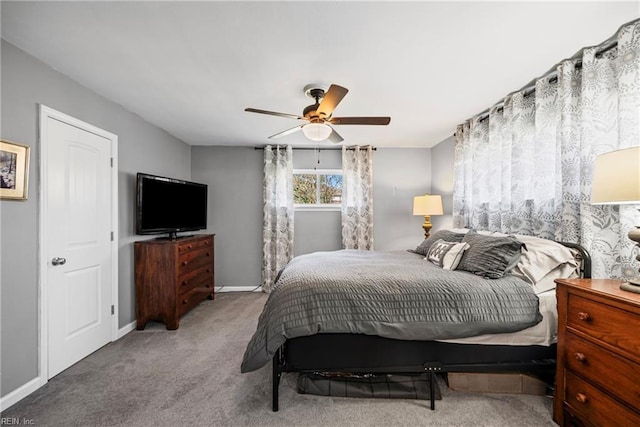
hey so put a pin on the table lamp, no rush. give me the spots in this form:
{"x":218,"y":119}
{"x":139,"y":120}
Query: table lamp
{"x":427,"y":205}
{"x":616,"y":181}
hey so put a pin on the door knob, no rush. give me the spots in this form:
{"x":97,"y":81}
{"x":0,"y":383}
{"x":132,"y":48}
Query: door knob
{"x":58,"y":261}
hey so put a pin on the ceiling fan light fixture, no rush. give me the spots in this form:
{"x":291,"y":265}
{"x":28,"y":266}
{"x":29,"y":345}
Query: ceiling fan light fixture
{"x":316,"y":131}
{"x":320,"y":115}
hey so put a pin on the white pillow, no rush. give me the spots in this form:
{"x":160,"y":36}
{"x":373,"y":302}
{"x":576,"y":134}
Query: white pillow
{"x":446,"y":254}
{"x":544,"y":259}
{"x":566,"y":270}
{"x":460,"y":230}
{"x":485,"y":232}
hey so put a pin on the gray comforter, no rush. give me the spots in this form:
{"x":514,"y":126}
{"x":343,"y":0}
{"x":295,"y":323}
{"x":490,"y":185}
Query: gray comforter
{"x":390,"y":294}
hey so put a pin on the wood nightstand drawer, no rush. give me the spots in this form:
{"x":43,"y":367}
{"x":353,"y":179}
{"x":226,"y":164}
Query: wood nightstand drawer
{"x":595,"y":407}
{"x":598,"y":363}
{"x":611,"y":325}
{"x":617,"y":375}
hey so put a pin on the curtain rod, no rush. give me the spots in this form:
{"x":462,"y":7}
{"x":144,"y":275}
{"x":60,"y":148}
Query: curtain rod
{"x":552,"y":74}
{"x":322,"y":148}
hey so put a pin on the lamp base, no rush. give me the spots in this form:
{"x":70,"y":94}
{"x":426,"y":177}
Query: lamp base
{"x":426,"y":225}
{"x":630,"y":287}
{"x":633,"y":285}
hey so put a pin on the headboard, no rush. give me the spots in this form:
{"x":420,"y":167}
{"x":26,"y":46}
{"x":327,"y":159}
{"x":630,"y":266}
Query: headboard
{"x":583,"y":257}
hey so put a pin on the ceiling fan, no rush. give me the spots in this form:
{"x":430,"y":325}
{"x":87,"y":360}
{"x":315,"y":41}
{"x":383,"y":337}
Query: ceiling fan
{"x":319,"y":115}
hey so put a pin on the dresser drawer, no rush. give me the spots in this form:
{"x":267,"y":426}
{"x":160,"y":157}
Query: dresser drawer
{"x":194,"y":259}
{"x":189,"y":300}
{"x":194,"y":245}
{"x":609,"y":324}
{"x":594,"y":406}
{"x":617,"y":375}
{"x":200,"y":277}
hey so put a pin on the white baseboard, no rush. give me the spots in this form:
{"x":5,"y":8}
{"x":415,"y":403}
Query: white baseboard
{"x":238,"y":289}
{"x":20,"y":393}
{"x":126,"y":329}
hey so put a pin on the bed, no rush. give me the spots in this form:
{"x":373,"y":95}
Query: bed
{"x":407,"y":313}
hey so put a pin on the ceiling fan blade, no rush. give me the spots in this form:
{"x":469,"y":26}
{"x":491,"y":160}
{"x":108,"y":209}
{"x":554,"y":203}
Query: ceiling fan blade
{"x":273,"y":113}
{"x":360,"y":120}
{"x":331,"y":99}
{"x":335,"y":137}
{"x":286,"y":132}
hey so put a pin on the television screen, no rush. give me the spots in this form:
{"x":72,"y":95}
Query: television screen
{"x":167,"y":205}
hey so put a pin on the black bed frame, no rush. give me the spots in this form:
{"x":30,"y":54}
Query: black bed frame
{"x":359,"y":353}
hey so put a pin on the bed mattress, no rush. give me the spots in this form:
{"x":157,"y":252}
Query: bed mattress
{"x":544,"y":333}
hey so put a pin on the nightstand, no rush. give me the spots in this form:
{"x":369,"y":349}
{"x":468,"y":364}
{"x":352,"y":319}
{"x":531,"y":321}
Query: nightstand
{"x":598,"y":362}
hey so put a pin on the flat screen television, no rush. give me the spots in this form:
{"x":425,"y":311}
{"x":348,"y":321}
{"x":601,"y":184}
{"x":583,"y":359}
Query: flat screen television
{"x":168,"y":205}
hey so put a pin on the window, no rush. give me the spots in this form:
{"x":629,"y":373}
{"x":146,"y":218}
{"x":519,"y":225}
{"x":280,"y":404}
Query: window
{"x":317,"y":188}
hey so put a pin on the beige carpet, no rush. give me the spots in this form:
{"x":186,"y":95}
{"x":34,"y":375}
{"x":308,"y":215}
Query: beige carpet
{"x":192,"y":377}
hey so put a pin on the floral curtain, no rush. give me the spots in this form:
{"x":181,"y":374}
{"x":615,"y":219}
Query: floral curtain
{"x":528,"y":167}
{"x":277,"y":225}
{"x":357,"y":198}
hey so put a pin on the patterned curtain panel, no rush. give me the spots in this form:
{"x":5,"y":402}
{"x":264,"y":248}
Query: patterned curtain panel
{"x":357,"y":198}
{"x":528,"y":167}
{"x":277,"y":226}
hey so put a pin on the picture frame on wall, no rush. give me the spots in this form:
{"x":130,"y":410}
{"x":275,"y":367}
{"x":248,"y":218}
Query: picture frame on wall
{"x":14,"y":170}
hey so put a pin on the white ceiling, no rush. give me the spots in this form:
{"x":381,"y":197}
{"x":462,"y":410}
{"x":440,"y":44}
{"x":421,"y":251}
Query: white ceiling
{"x":192,"y":67}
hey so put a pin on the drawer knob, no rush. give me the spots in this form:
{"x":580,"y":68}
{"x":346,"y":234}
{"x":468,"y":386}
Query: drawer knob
{"x":184,"y":282}
{"x":184,"y":263}
{"x":184,"y":301}
{"x":208,"y":254}
{"x":189,"y":246}
{"x":583,"y":316}
{"x":581,"y":397}
{"x":208,"y":286}
{"x":580,"y":357}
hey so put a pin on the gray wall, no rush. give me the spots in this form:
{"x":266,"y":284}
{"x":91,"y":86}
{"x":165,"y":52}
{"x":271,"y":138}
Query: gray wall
{"x":398,"y":175}
{"x":27,"y":82}
{"x":234,"y":177}
{"x":317,"y":231}
{"x":442,"y":156}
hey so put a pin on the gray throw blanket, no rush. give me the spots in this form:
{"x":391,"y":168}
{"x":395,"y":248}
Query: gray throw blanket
{"x":391,"y":294}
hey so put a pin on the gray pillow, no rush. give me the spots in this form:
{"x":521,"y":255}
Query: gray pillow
{"x":490,"y":256}
{"x":446,"y":235}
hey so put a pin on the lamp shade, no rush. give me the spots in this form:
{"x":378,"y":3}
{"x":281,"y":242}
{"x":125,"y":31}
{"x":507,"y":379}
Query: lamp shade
{"x":616,"y":177}
{"x":427,"y":205}
{"x":316,"y":131}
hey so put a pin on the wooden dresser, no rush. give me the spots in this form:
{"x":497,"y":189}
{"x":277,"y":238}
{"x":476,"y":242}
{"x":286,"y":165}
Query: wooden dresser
{"x":172,"y":277}
{"x":598,"y":373}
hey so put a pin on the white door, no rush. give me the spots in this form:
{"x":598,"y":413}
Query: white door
{"x":77,"y":190}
